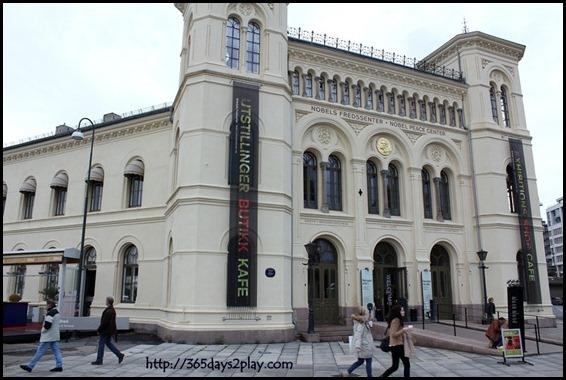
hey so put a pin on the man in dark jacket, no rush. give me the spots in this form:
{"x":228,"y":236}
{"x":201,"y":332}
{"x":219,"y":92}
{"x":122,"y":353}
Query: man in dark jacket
{"x":106,"y":329}
{"x":49,"y":338}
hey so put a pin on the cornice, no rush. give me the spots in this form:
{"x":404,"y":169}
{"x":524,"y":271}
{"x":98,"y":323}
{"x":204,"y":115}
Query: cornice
{"x":33,"y":151}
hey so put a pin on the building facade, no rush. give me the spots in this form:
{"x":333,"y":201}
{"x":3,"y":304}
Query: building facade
{"x":555,"y":251}
{"x":394,"y":173}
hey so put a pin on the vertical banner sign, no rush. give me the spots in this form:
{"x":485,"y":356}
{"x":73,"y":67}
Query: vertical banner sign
{"x":242,"y":248}
{"x":426,"y":284}
{"x":523,"y":208}
{"x":366,"y":277}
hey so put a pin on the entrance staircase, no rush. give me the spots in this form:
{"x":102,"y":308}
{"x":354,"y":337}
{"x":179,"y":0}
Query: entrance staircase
{"x":333,"y":333}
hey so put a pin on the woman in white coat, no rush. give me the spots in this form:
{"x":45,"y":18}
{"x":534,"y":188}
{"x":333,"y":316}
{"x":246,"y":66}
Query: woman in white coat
{"x":362,"y":342}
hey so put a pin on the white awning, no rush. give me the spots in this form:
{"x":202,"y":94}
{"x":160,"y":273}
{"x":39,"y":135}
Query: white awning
{"x":61,"y":180}
{"x":97,"y":174}
{"x":28,"y":186}
{"x":135,"y":168}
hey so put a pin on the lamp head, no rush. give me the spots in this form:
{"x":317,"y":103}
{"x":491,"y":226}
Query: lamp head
{"x":482,"y":254}
{"x":78,"y":135}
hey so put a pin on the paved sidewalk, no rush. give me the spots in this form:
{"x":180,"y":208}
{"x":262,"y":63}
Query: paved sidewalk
{"x":293,"y":359}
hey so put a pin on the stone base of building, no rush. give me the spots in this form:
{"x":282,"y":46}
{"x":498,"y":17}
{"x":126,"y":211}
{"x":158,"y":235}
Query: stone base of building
{"x":227,"y":336}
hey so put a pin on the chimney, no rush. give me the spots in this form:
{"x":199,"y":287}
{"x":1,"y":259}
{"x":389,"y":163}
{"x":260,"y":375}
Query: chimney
{"x":61,"y":129}
{"x":111,"y":117}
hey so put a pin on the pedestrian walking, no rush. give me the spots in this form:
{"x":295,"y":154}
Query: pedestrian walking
{"x":49,"y":338}
{"x":362,"y":342}
{"x":490,"y":310}
{"x":398,"y":334}
{"x":105,"y":330}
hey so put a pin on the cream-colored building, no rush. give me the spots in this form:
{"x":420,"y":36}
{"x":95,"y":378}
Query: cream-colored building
{"x":398,"y":172}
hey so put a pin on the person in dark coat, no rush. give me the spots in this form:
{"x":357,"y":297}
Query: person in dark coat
{"x":494,"y":332}
{"x":105,"y":330}
{"x":490,"y":310}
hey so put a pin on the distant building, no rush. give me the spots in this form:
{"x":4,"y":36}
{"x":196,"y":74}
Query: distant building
{"x":398,"y":171}
{"x":555,"y":253}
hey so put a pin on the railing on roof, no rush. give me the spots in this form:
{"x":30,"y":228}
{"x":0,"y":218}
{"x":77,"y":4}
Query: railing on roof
{"x":139,"y":111}
{"x":371,"y":52}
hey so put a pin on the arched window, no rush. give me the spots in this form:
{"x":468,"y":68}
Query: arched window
{"x":308,"y":85}
{"x":505,"y":108}
{"x":391,"y":103}
{"x":295,"y":83}
{"x":252,"y":48}
{"x":233,"y":43}
{"x":493,"y":101}
{"x":412,"y":108}
{"x":333,"y":96}
{"x":445,"y":196}
{"x":510,"y":181}
{"x":59,"y":186}
{"x":373,"y":198}
{"x":357,"y":96}
{"x":134,"y":174}
{"x":369,"y":99}
{"x":393,"y":191}
{"x":130,"y":275}
{"x":28,"y":192}
{"x":402,"y":105}
{"x":321,"y":94}
{"x":427,"y":194}
{"x":310,"y":182}
{"x":442,"y":109}
{"x":380,"y":101}
{"x":334,"y":184}
{"x":95,"y":188}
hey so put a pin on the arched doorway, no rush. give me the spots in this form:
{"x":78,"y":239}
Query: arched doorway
{"x":389,"y":280}
{"x":323,"y":283}
{"x":441,"y":282}
{"x":90,"y":279}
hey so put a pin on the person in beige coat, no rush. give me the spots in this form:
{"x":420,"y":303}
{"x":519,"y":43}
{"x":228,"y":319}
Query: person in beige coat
{"x":397,"y":332}
{"x":362,"y":342}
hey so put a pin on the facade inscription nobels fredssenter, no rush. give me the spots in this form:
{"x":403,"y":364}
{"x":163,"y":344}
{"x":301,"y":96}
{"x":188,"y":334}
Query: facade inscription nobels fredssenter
{"x":376,"y":120}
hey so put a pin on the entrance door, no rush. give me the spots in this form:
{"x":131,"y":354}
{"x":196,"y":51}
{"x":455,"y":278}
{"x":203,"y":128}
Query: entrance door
{"x":323,"y":283}
{"x":389,"y":281}
{"x":441,"y":282}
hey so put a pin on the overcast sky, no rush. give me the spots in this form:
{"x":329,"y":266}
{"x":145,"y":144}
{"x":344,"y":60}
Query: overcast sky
{"x":62,"y":62}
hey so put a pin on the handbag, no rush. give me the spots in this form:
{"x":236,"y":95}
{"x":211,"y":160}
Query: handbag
{"x":384,"y":345}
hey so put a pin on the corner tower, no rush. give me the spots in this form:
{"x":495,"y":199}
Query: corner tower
{"x":229,"y":216}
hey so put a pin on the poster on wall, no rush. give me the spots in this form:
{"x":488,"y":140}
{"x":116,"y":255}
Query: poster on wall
{"x":512,"y":344}
{"x":366,"y":277}
{"x":426,"y":285}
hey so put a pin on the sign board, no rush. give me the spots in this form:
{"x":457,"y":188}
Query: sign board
{"x":512,"y":344}
{"x":426,"y":285}
{"x":367,"y":286}
{"x":89,"y":323}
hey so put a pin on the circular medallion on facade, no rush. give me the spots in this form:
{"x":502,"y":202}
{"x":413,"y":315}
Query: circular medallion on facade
{"x":384,"y":146}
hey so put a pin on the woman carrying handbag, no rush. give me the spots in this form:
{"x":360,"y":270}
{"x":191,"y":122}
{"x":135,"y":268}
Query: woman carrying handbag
{"x":398,"y":335}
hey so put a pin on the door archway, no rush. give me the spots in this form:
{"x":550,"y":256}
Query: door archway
{"x":441,"y":282}
{"x":389,"y":280}
{"x":323,"y":283}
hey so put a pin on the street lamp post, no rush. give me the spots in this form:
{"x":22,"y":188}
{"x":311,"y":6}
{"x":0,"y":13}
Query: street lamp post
{"x":313,"y":252}
{"x":482,"y":256}
{"x":78,"y":135}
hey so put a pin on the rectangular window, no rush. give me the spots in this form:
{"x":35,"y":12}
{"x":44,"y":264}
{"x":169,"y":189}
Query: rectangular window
{"x":369,"y":104}
{"x":333,"y":97}
{"x":136,"y":191}
{"x":380,"y":101}
{"x":402,"y":106}
{"x":60,"y":200}
{"x":96,"y":195}
{"x":321,"y":90}
{"x":432,"y":112}
{"x":295,"y":83}
{"x":29,"y":198}
{"x":345,"y":93}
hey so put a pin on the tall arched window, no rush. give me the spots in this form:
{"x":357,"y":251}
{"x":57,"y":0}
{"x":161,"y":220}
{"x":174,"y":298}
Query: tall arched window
{"x":130,"y":275}
{"x":393,"y":191}
{"x":505,"y":108}
{"x":295,"y":82}
{"x":493,"y":101}
{"x":59,"y":186}
{"x":310,"y":182}
{"x":334,"y":184}
{"x":445,"y":196}
{"x":28,"y":193}
{"x":308,"y":86}
{"x":373,"y":199}
{"x":321,"y":92}
{"x":427,"y":194}
{"x":252,"y":48}
{"x":134,"y":173}
{"x":333,"y":94}
{"x":510,"y":181}
{"x":233,"y":43}
{"x":95,"y":188}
